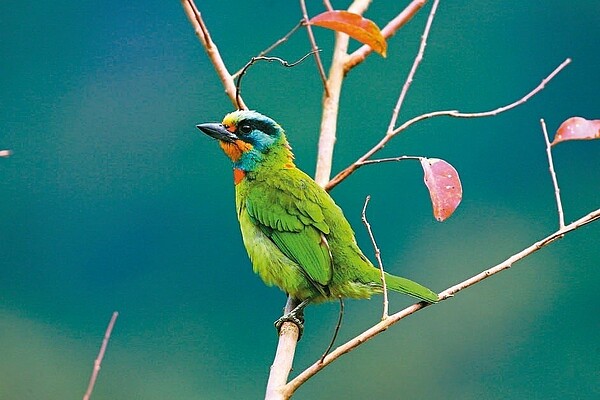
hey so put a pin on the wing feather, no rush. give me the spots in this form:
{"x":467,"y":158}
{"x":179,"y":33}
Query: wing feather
{"x":289,"y":213}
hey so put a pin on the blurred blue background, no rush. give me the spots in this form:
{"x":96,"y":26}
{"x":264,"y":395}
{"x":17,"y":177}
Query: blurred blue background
{"x":112,"y":200}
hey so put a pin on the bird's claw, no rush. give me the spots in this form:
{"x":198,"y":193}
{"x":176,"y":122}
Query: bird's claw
{"x":293,"y":317}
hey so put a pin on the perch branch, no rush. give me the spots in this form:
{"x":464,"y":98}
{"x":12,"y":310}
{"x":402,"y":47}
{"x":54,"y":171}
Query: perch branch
{"x":98,"y":361}
{"x":376,"y":329}
{"x":212,"y":51}
{"x":561,"y":215}
{"x":449,"y":113}
{"x":284,"y":356}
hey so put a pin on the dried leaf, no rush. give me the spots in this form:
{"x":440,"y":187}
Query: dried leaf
{"x":356,"y":26}
{"x":577,"y":128}
{"x":444,"y":187}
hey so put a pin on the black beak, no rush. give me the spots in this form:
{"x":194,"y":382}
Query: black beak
{"x":217,"y":131}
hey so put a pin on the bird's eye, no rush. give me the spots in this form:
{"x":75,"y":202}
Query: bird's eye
{"x":245,"y":129}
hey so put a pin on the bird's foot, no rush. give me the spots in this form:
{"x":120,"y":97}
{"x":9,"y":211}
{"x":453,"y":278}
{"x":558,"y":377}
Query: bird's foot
{"x":296,"y":316}
{"x":295,"y":319}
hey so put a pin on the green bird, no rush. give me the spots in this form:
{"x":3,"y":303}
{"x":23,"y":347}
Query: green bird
{"x":296,"y":236}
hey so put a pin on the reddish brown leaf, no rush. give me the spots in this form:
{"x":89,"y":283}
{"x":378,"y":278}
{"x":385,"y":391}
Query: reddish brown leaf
{"x":444,"y":187}
{"x":354,"y":25}
{"x":577,"y":128}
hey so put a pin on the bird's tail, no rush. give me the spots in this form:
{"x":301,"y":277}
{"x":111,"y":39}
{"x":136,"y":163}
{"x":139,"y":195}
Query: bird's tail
{"x":411,"y":288}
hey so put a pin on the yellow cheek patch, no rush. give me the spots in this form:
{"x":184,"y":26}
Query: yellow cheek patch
{"x":236,"y":149}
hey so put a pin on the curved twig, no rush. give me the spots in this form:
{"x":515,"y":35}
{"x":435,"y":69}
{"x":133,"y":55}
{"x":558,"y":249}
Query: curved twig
{"x":274,"y":45}
{"x":263,"y":58}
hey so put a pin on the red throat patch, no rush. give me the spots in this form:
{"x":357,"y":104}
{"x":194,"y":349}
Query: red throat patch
{"x":238,"y":175}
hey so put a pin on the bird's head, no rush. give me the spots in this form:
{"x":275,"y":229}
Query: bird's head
{"x":250,"y":140}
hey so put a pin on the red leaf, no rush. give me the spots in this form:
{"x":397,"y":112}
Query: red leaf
{"x":444,"y":187}
{"x":577,"y":128}
{"x":354,"y":25}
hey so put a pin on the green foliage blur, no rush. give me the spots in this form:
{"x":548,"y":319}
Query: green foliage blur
{"x":112,"y":200}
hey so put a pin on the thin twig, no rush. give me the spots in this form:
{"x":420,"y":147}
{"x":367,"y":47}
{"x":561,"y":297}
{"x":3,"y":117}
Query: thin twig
{"x":274,"y":45}
{"x":391,"y":159}
{"x":561,"y":215}
{"x":370,"y":333}
{"x":389,"y":30}
{"x":314,"y":47}
{"x":365,"y":221}
{"x":413,"y":69}
{"x":212,"y":51}
{"x":253,"y":60}
{"x":449,"y":113}
{"x":517,"y":103}
{"x":98,"y":361}
{"x":338,"y":325}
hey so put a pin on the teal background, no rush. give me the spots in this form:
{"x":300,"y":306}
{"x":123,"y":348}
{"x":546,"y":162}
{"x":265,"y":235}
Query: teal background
{"x":113,"y":200}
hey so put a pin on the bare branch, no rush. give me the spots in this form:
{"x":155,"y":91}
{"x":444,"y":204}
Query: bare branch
{"x":386,"y":303}
{"x":414,"y":67}
{"x":370,"y":333}
{"x":98,"y":361}
{"x":331,"y":100}
{"x":449,"y":113}
{"x":388,"y":31}
{"x":212,"y":51}
{"x":561,"y":215}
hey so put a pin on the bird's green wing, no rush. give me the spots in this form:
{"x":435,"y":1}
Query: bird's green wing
{"x":293,"y":219}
